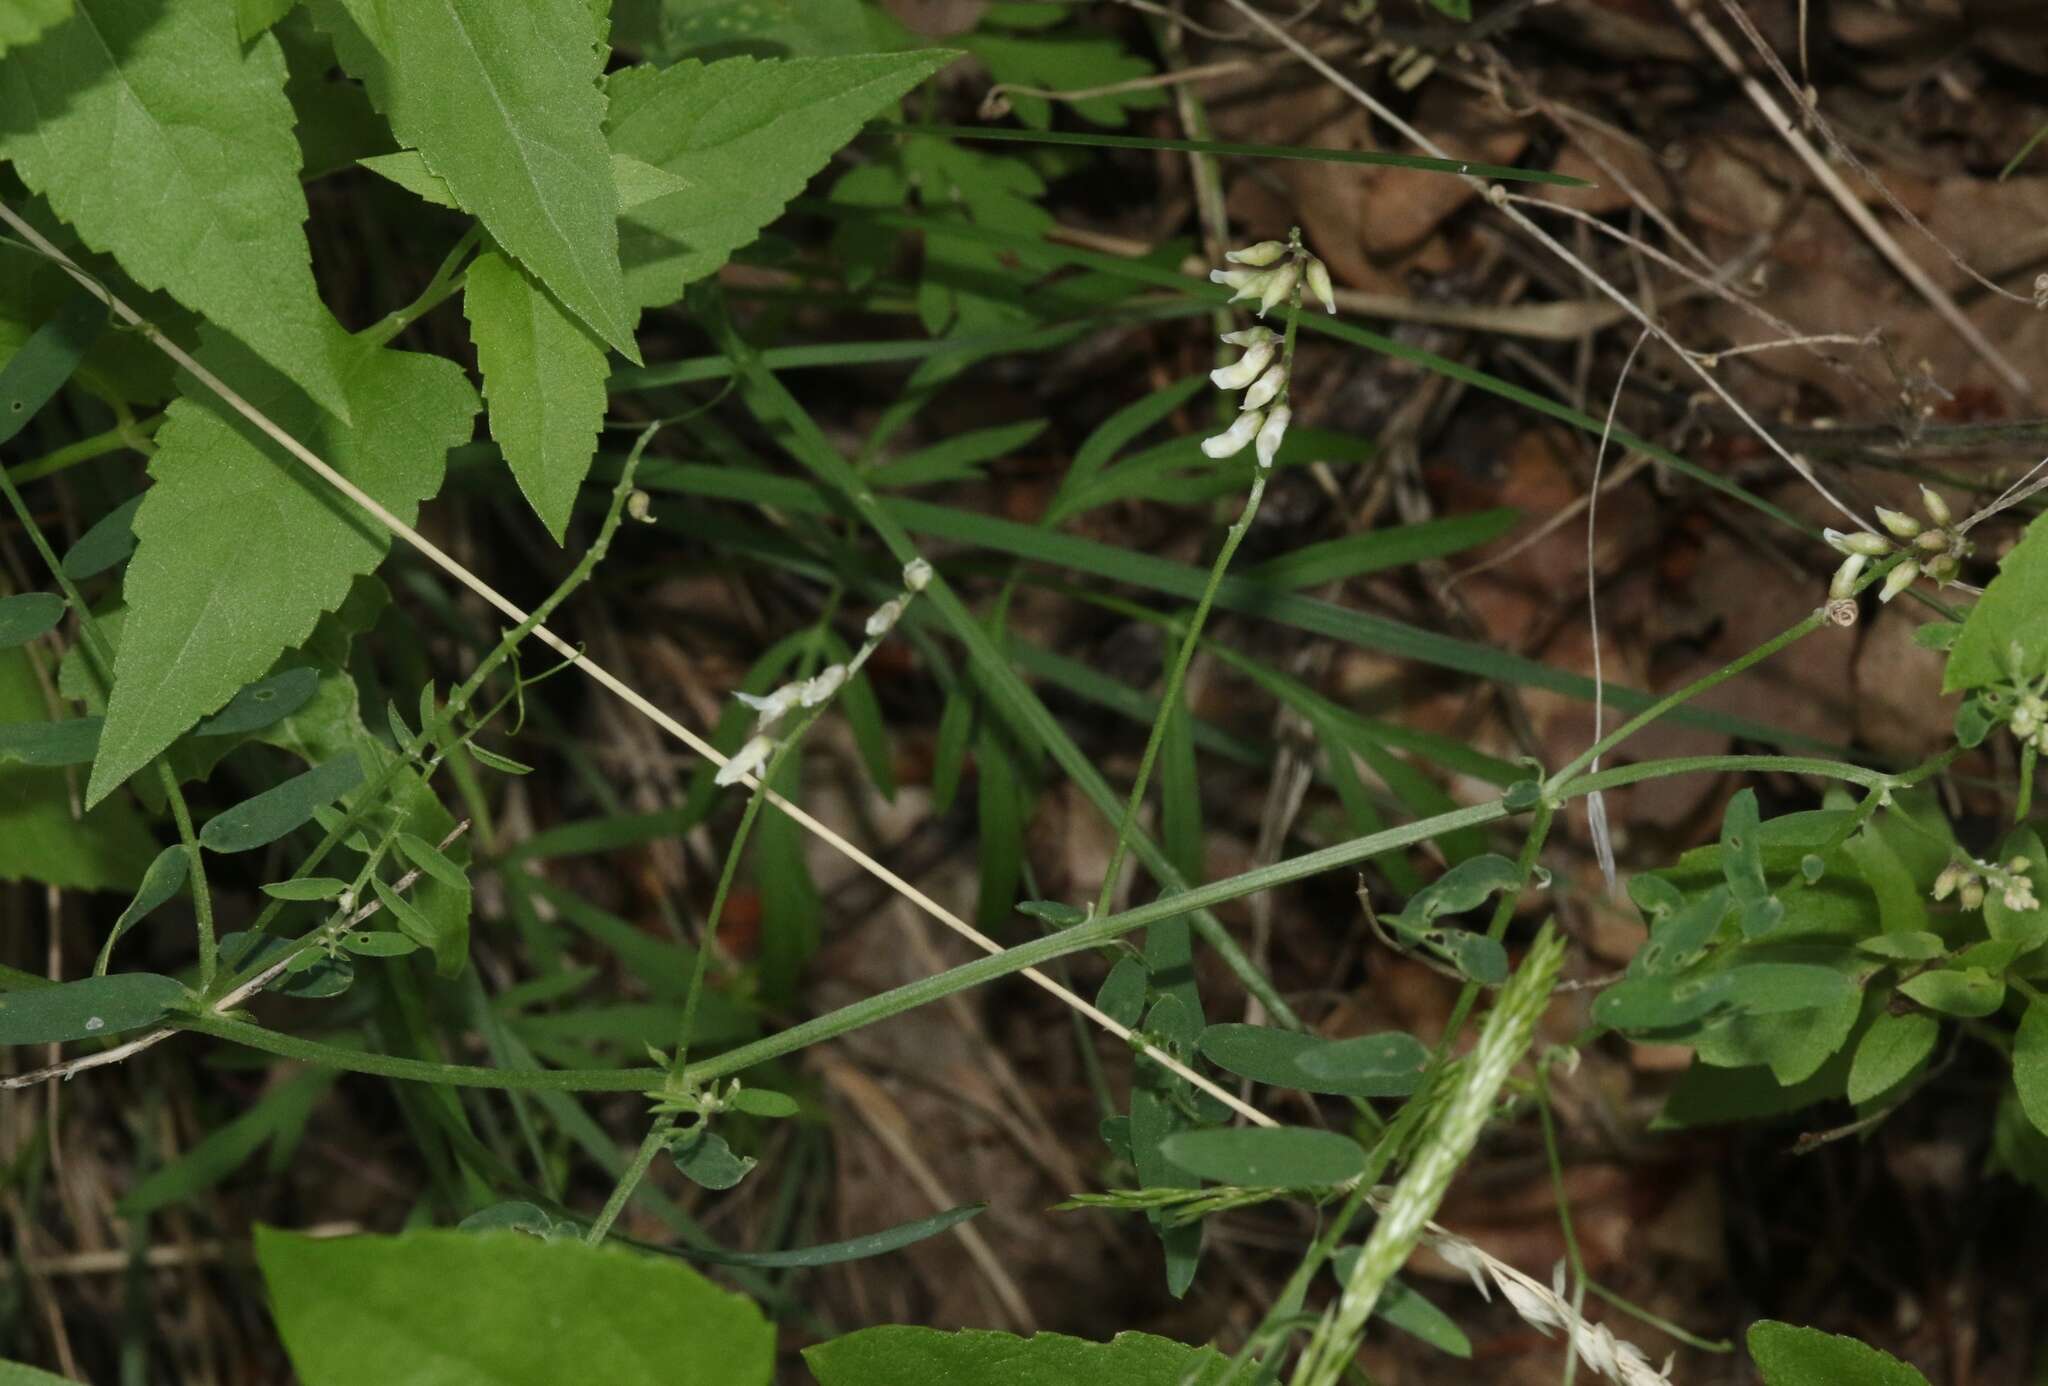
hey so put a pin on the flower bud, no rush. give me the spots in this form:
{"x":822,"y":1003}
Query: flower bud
{"x":1844,"y":585}
{"x":1266,"y":387}
{"x":1971,"y":896}
{"x":1245,"y":370}
{"x":1943,"y":567}
{"x":1231,"y":441}
{"x":1902,"y":525}
{"x":816,"y":690}
{"x":746,"y":761}
{"x":1269,"y":436}
{"x":774,"y":704}
{"x":1932,"y":541}
{"x":1318,"y":276}
{"x":1937,"y":508}
{"x":886,"y":615}
{"x":1870,"y":545}
{"x":1260,"y":255}
{"x":1249,"y":337}
{"x":1951,"y":876}
{"x":917,"y":574}
{"x":1280,"y":283}
{"x":1245,"y":283}
{"x":1898,"y":580}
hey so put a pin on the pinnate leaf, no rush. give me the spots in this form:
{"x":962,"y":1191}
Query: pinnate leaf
{"x":164,"y":140}
{"x":746,"y":135}
{"x":241,"y":548}
{"x":544,"y":375}
{"x":503,"y":1309}
{"x":502,"y":103}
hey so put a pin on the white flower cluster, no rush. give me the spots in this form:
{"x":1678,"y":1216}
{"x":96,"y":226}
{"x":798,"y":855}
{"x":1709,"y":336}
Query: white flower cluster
{"x":2030,"y":721}
{"x":1272,"y":271}
{"x":1546,"y":1307}
{"x":1968,"y":881}
{"x":1938,"y":550}
{"x":819,"y":688}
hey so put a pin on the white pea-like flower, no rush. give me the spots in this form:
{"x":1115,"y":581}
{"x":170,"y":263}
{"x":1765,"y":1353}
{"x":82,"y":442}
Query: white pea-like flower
{"x":1279,"y":284}
{"x":1901,"y":525}
{"x":886,"y":616}
{"x":1259,"y":256}
{"x":1843,"y":586}
{"x":1249,"y":337}
{"x":1244,"y":283}
{"x":1245,"y":369}
{"x":748,"y":759}
{"x":1231,"y":441}
{"x":1898,"y":580}
{"x":917,"y":574}
{"x":1867,"y":544}
{"x":816,"y":690}
{"x":1265,"y":388}
{"x":775,"y":704}
{"x":1271,"y":433}
{"x":1318,"y":277}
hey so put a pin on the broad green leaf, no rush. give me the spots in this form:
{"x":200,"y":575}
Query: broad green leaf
{"x":502,"y":102}
{"x":2030,"y":1064}
{"x":14,"y":1373}
{"x":1287,"y":1157}
{"x":278,"y":810}
{"x":1660,"y":1001}
{"x":24,"y":617}
{"x":1464,"y":887}
{"x":20,"y":22}
{"x":242,"y":549}
{"x":1969,"y":992}
{"x":89,"y":1008}
{"x":1891,"y":1051}
{"x":164,"y":879}
{"x":1388,"y":1065}
{"x":2005,"y":636}
{"x":705,"y":1159}
{"x":544,"y":375}
{"x":109,"y":542}
{"x":73,"y":741}
{"x":164,"y":140}
{"x":746,"y":135}
{"x":1677,"y":934}
{"x":263,"y":703}
{"x":898,"y":1354}
{"x":253,"y":17}
{"x":38,"y":368}
{"x":1792,"y":1356}
{"x":457,"y":1308}
{"x":1122,"y":997}
{"x":41,"y":839}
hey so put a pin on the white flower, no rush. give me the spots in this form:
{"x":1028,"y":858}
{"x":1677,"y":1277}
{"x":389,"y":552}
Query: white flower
{"x":775,"y":704}
{"x":746,"y":761}
{"x":1260,"y":255}
{"x":1870,"y":545}
{"x":1269,"y":436}
{"x":817,"y":690}
{"x":1245,"y":370}
{"x":1279,"y":284}
{"x":1249,"y":337}
{"x":1265,"y":388}
{"x":1231,"y":440}
{"x":886,"y":616}
{"x":1844,"y":585}
{"x":917,"y":574}
{"x":1898,"y":580}
{"x":1245,"y":283}
{"x":1318,"y":275}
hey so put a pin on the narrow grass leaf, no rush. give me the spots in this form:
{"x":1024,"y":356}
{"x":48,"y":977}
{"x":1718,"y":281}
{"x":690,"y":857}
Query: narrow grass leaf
{"x":836,"y":1253}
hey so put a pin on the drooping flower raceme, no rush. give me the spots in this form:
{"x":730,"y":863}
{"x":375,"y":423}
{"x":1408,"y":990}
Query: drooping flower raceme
{"x":1271,"y":272}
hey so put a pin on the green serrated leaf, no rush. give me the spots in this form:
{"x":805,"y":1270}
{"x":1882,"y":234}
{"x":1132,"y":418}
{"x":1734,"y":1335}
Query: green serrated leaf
{"x":276,"y":811}
{"x":544,"y":375}
{"x":408,"y":168}
{"x":502,"y":103}
{"x":199,"y":198}
{"x":28,"y":615}
{"x":1791,"y":1356}
{"x":896,"y":1354}
{"x":2011,"y":619}
{"x":502,"y":1308}
{"x":1284,"y":1157}
{"x":754,"y":132}
{"x":89,"y":1008}
{"x":242,"y":549}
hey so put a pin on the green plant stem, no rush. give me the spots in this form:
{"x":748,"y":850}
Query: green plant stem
{"x":132,"y":434}
{"x":100,"y":656}
{"x":446,"y":281}
{"x":643,"y":1159}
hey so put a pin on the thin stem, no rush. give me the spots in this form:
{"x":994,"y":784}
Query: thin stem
{"x":202,"y":898}
{"x":447,"y":279}
{"x":134,"y":433}
{"x":657,"y":1136}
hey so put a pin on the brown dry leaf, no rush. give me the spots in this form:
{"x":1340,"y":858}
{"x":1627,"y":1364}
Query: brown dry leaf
{"x":1630,"y":157}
